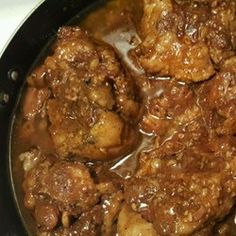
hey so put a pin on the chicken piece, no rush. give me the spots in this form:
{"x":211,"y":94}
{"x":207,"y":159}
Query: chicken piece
{"x":66,"y":184}
{"x":131,"y":223}
{"x":99,"y":220}
{"x":46,"y":215}
{"x":182,"y":38}
{"x":93,"y":107}
{"x":111,"y":201}
{"x":229,"y":65}
{"x":106,"y":137}
{"x":217,"y":98}
{"x":169,"y":106}
{"x":193,"y":160}
{"x":88,"y":224}
{"x":34,"y":102}
{"x":70,"y":184}
{"x":83,"y":68}
{"x":186,"y":183}
{"x":66,"y":201}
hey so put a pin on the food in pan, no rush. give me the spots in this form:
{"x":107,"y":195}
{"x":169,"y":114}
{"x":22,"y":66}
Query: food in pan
{"x":128,"y":124}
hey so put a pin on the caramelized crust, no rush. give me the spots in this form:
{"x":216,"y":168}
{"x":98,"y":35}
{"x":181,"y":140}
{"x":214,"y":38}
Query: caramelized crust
{"x":186,"y":183}
{"x":93,"y":106}
{"x":186,"y":39}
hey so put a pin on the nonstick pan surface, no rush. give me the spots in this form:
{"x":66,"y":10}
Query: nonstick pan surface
{"x":15,"y":64}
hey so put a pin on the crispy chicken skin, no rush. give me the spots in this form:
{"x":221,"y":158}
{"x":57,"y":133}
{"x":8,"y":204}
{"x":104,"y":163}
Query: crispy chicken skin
{"x":185,"y":39}
{"x":93,"y":107}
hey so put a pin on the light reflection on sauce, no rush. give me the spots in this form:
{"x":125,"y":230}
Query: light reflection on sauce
{"x":126,"y":167}
{"x":121,"y":40}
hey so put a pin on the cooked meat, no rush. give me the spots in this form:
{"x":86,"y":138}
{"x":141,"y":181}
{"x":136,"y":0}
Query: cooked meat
{"x":186,"y":183}
{"x":169,"y":106}
{"x":111,"y":204}
{"x":66,"y":184}
{"x":93,"y":105}
{"x":219,"y":95}
{"x":131,"y":223}
{"x":100,"y":219}
{"x":88,"y":224}
{"x":46,"y":215}
{"x":183,"y":38}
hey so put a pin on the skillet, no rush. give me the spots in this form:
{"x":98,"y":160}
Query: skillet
{"x":15,"y":63}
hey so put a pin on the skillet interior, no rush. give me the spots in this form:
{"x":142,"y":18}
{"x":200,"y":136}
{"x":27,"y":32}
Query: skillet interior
{"x":15,"y":63}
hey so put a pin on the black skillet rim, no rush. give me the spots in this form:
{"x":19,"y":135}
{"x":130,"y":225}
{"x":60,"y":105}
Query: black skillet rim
{"x":19,"y":56}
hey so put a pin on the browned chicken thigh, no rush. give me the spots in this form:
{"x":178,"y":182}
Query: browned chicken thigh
{"x":65,"y":198}
{"x":93,"y":106}
{"x":185,"y":39}
{"x":58,"y":188}
{"x":185,"y":184}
